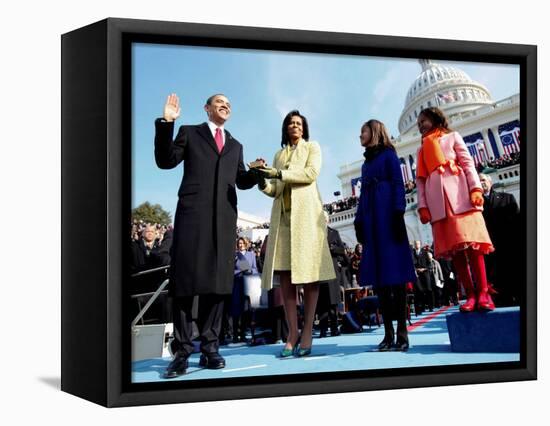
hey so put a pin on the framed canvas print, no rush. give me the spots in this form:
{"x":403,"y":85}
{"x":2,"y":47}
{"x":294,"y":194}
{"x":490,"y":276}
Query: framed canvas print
{"x":253,"y":212}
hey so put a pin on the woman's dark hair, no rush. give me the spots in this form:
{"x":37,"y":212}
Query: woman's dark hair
{"x":379,"y":134}
{"x":437,"y":117}
{"x":294,"y":113}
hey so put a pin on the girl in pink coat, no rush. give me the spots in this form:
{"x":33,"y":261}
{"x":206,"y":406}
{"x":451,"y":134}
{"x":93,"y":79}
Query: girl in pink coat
{"x":450,"y":197}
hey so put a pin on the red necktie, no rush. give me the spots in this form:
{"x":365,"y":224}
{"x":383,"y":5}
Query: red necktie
{"x":219,"y":139}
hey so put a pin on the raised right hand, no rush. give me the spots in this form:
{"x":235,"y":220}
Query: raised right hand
{"x":172,"y":108}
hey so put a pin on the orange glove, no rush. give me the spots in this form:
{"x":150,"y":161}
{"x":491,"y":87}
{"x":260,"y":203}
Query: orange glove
{"x":476,"y":197}
{"x":425,"y":215}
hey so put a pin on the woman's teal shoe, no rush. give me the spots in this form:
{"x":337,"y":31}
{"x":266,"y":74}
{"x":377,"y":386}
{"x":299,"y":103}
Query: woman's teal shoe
{"x":285,"y":353}
{"x":303,"y":352}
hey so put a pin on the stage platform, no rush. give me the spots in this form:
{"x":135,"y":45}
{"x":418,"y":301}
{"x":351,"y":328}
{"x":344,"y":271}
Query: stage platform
{"x":429,"y":346}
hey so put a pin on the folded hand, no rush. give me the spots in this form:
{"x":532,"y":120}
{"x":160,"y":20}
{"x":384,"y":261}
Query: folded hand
{"x":258,"y":177}
{"x":270,"y":172}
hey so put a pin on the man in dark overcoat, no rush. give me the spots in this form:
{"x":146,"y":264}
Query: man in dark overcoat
{"x":205,"y":223}
{"x":501,"y":214}
{"x":423,"y":295}
{"x":149,"y":252}
{"x":330,"y":291}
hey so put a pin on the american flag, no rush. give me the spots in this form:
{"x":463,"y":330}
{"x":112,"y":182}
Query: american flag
{"x":446,"y":97}
{"x":510,"y":140}
{"x":477,"y":151}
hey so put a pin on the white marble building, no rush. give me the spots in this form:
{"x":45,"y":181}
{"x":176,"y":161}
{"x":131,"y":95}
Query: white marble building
{"x":248,"y":226}
{"x":489,"y":128}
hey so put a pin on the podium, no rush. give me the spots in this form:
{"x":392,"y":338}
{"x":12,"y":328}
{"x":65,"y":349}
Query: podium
{"x":495,"y":331}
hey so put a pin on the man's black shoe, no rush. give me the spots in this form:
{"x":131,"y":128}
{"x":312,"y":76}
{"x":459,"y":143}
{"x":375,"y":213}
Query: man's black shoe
{"x":177,"y":367}
{"x":402,"y":345}
{"x":212,"y":361}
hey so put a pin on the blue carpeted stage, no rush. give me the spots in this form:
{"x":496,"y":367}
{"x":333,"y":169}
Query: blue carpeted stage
{"x":429,"y":346}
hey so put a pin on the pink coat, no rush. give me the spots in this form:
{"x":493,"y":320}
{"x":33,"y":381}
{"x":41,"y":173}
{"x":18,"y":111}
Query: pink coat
{"x":457,"y":188}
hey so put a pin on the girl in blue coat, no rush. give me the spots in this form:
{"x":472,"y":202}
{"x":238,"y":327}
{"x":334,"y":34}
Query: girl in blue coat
{"x":386,"y":262}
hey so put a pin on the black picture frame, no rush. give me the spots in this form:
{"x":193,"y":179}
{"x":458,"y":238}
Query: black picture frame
{"x":96,"y":173}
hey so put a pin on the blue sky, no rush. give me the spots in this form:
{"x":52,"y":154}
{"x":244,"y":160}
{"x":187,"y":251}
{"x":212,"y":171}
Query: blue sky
{"x":336,"y":93}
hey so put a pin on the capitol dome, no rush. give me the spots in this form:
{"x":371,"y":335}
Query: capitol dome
{"x":445,"y":87}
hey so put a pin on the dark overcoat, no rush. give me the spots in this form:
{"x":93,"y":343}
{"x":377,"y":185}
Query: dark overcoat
{"x":340,"y":262}
{"x":386,"y":259}
{"x":421,"y":261}
{"x":501,"y":214}
{"x":206,"y":216}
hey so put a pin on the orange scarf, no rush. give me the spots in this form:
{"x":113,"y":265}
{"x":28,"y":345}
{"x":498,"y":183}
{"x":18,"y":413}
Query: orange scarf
{"x":431,"y":157}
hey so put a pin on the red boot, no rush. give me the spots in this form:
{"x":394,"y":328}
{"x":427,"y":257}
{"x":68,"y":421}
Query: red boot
{"x":461,"y":265}
{"x":470,"y":303}
{"x":484,"y":300}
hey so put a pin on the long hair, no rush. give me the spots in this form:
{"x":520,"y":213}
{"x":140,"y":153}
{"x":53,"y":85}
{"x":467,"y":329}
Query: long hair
{"x":437,"y":117}
{"x":284,"y":137}
{"x":380,"y":134}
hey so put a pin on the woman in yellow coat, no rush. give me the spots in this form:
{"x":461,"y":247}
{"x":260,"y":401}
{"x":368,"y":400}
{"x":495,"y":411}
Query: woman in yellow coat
{"x":297,"y":249}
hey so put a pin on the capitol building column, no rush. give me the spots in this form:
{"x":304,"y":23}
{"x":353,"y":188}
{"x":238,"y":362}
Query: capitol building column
{"x":487,"y":143}
{"x":497,"y":140}
{"x":408,"y":166}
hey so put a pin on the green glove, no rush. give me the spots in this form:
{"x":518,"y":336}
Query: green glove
{"x":262,"y":183}
{"x":270,"y":172}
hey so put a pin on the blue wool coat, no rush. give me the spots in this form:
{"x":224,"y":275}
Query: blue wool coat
{"x":385,"y":260}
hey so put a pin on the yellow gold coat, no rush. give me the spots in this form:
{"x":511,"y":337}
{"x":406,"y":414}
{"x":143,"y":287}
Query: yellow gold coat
{"x":310,"y":255}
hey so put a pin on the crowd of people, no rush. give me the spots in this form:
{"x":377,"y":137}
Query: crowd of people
{"x":265,"y":225}
{"x":151,"y":245}
{"x":349,"y":203}
{"x":262,"y":226}
{"x":505,"y":160}
{"x":341,"y":205}
{"x":410,"y":185}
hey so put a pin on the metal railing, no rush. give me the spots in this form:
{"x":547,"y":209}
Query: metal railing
{"x":153,"y":295}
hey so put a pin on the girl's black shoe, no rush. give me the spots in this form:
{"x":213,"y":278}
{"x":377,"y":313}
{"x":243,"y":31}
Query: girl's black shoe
{"x":386,"y":344}
{"x":402,"y":345}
